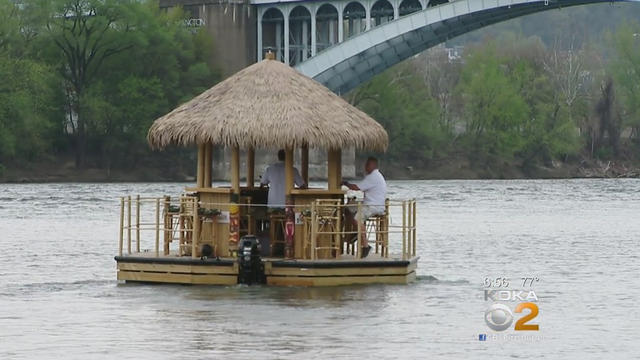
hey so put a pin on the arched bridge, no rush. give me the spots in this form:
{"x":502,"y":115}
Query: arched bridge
{"x":356,"y":60}
{"x":343,"y":43}
{"x":374,"y":35}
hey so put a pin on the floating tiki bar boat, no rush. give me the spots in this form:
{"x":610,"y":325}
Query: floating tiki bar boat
{"x":227,"y":235}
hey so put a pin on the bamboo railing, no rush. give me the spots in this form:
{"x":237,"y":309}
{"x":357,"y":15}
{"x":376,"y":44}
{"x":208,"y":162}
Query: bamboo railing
{"x":323,"y":222}
{"x":381,"y":227}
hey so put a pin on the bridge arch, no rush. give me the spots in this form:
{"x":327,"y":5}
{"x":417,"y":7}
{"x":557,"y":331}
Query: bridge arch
{"x":272,"y":34}
{"x":327,"y":27}
{"x":354,"y":18}
{"x":299,"y":34}
{"x":382,"y":12}
{"x":407,"y":7}
{"x":359,"y":58}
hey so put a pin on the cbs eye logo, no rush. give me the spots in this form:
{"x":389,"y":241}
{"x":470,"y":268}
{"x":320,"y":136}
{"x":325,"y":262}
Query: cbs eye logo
{"x":499,"y":317}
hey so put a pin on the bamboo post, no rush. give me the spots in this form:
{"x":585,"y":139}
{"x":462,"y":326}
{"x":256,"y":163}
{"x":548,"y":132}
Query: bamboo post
{"x":251,"y":161}
{"x":157,"y":227}
{"x":409,"y":233}
{"x":213,"y":236}
{"x":234,"y":209}
{"x":338,"y":169}
{"x":338,"y":235}
{"x":330,"y":170}
{"x":121,"y":240}
{"x":289,"y":201}
{"x":129,"y":224}
{"x":386,"y":228}
{"x":334,"y":173}
{"x":196,"y":230}
{"x":306,"y":242}
{"x":251,"y":223}
{"x":314,"y":229}
{"x":377,"y":233}
{"x":304,"y":159}
{"x":359,"y":221}
{"x":288,"y":171}
{"x":200,"y":168}
{"x":404,"y":230}
{"x":182,"y":236}
{"x":413,"y":225}
{"x":208,"y":152}
{"x":235,"y":170}
{"x":138,"y":223}
{"x":168,"y":224}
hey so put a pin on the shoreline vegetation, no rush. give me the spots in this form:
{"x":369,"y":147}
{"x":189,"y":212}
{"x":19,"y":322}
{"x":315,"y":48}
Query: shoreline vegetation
{"x":460,"y":169}
{"x":550,"y":95}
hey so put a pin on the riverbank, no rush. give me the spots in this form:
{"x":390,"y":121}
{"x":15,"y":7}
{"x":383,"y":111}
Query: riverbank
{"x":463,"y":169}
{"x":65,"y":171}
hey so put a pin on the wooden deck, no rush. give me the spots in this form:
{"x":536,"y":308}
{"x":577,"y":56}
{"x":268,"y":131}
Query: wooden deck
{"x":279,"y":272}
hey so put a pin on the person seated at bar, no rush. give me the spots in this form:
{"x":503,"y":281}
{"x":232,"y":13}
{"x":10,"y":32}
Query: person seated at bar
{"x":274,"y":177}
{"x":374,"y":187}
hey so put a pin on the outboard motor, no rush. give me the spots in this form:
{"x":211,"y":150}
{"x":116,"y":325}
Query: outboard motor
{"x":250,"y":267}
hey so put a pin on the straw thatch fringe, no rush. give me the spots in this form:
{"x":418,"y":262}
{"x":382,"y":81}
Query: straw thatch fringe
{"x":269,"y":105}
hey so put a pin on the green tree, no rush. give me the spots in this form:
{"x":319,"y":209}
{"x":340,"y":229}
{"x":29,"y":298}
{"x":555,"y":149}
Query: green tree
{"x":549,"y":131}
{"x":27,"y":92}
{"x":402,"y":104}
{"x":625,"y":68}
{"x":26,"y":107}
{"x":9,"y":26}
{"x":494,"y":108}
{"x":123,"y":63}
{"x":85,"y":34}
{"x":128,"y":95}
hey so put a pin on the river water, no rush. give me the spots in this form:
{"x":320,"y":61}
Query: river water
{"x":578,"y":238}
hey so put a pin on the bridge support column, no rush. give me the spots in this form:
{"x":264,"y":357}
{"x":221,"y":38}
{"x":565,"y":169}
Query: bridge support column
{"x":396,"y":9}
{"x":259,"y":40}
{"x":340,"y":23}
{"x":278,"y":41}
{"x":314,"y":36}
{"x":286,"y":35}
{"x":367,"y":9}
{"x":305,"y":37}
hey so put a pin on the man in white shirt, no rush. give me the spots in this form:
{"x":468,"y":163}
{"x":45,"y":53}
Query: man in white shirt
{"x":374,"y":187}
{"x":274,"y":177}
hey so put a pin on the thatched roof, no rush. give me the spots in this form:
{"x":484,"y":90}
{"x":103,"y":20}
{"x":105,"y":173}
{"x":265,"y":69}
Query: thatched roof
{"x":269,"y":105}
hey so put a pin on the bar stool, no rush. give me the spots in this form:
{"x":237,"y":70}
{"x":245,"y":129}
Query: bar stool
{"x":186,"y":224}
{"x":376,"y":230}
{"x":305,"y":216}
{"x":378,"y":225}
{"x":349,"y":231}
{"x":348,"y":243}
{"x":172,"y":220}
{"x":247,"y":222}
{"x":327,"y":235}
{"x":277,"y":220}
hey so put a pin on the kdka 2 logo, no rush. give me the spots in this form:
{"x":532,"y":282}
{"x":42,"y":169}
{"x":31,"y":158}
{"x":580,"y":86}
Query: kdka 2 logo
{"x":499,"y":316}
